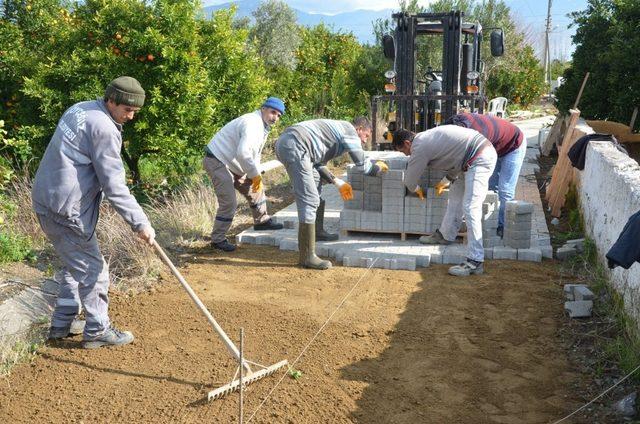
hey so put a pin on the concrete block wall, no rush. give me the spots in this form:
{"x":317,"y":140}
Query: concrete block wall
{"x":609,"y":189}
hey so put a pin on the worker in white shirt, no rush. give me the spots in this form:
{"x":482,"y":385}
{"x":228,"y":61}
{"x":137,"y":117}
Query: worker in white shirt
{"x":232,"y":160}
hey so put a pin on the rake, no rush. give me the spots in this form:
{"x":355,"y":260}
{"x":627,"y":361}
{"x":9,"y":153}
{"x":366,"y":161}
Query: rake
{"x":250,"y":376}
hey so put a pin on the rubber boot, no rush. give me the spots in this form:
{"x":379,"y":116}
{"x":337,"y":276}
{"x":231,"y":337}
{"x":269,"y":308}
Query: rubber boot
{"x":307,"y":248}
{"x":321,"y":234}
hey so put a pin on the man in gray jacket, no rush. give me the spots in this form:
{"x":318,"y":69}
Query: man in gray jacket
{"x":469,"y":159}
{"x":81,"y":163}
{"x":304,"y":149}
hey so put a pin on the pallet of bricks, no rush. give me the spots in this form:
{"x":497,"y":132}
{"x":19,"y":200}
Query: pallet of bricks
{"x":381,"y":204}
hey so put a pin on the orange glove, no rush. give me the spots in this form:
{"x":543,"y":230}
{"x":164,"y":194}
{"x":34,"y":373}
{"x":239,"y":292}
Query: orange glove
{"x":344,"y":188}
{"x":420,"y":193}
{"x":383,"y":166}
{"x":256,"y":184}
{"x":442,"y":186}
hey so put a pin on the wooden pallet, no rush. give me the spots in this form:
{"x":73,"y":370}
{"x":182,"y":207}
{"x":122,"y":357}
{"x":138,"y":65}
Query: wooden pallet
{"x":403,"y":235}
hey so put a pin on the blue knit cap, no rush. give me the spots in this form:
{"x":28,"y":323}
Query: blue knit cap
{"x":274,"y":103}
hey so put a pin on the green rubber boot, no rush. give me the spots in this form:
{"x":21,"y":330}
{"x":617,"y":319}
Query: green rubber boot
{"x":321,"y":234}
{"x":307,"y":248}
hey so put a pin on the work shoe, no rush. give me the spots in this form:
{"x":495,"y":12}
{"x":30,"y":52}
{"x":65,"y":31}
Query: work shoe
{"x":76,"y":327}
{"x":268,"y":225}
{"x":500,"y":232}
{"x":435,"y":238}
{"x":223,"y":245}
{"x":321,"y":234}
{"x":307,"y":248}
{"x":468,"y":267}
{"x":111,"y":337}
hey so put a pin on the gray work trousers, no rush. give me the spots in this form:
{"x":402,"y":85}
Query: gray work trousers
{"x":83,"y":280}
{"x":304,"y":177}
{"x":225,"y":183}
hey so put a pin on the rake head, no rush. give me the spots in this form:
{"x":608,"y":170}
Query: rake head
{"x":255,"y":376}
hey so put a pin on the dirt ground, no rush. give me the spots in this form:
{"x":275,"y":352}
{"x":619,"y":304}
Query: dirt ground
{"x":406,"y":347}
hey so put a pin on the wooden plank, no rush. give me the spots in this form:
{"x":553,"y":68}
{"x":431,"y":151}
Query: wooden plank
{"x":554,"y":134}
{"x":584,"y":82}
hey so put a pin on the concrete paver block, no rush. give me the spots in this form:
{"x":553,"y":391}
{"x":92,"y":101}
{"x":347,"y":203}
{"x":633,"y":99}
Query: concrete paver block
{"x":578,"y":308}
{"x":505,"y":253}
{"x":531,"y":255}
{"x":565,"y":252}
{"x":583,"y":293}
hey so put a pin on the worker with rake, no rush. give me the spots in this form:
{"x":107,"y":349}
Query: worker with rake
{"x":81,"y":164}
{"x":469,"y":159}
{"x":232,"y":160}
{"x":305,"y":149}
{"x":511,"y":147}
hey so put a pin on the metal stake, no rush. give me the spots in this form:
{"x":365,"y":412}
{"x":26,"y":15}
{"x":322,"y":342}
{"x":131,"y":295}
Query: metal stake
{"x":241,"y":373}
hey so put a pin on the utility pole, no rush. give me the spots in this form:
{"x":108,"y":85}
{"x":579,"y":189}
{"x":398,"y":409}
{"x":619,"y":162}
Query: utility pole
{"x":547,"y":55}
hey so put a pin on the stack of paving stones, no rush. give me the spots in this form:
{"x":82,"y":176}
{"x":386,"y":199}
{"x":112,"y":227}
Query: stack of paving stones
{"x":393,"y":201}
{"x":579,"y":302}
{"x":518,"y":234}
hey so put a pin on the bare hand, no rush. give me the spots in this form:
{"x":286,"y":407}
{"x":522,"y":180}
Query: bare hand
{"x":148,"y":234}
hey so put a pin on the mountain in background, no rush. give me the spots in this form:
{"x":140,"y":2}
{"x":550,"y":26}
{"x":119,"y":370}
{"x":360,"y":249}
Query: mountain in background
{"x":358,"y":22}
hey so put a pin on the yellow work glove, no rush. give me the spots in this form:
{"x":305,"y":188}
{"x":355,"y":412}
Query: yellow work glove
{"x":420,"y":193}
{"x":442,"y":186}
{"x":256,"y":183}
{"x":382,"y":165}
{"x":344,"y":188}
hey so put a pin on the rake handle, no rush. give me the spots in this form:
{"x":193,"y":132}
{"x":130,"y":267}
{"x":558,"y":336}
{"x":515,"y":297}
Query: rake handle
{"x":227,"y":341}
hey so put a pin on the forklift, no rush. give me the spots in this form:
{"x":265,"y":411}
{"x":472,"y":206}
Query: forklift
{"x":420,"y":97}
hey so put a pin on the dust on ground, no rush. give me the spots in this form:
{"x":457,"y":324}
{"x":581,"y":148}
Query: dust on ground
{"x":406,"y":347}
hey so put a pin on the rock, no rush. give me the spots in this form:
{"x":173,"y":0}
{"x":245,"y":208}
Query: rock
{"x":627,"y":405}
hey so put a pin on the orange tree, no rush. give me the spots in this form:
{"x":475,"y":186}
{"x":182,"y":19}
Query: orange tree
{"x":158,"y":42}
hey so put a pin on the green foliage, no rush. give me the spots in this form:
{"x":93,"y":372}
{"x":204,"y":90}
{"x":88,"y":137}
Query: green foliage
{"x":519,"y":81}
{"x":276,"y":34}
{"x":607,"y":40}
{"x":14,"y":247}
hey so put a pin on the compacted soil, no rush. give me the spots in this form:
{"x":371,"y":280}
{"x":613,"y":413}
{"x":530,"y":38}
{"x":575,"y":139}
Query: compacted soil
{"x":405,"y":347}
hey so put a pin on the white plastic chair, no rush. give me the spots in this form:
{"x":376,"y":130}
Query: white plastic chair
{"x":498,"y":107}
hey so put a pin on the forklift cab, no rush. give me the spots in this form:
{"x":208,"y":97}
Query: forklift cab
{"x":436,"y":72}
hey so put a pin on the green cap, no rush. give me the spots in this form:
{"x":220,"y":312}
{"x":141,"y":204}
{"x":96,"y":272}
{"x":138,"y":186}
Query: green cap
{"x":125,"y":91}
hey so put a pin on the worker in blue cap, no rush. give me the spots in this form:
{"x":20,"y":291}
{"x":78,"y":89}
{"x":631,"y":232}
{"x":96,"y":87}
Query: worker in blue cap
{"x":232,"y":160}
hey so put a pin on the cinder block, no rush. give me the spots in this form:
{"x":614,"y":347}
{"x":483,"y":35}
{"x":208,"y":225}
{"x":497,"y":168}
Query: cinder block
{"x":505,"y":253}
{"x":488,"y":253}
{"x":564,"y":253}
{"x":577,"y":243}
{"x":532,"y":255}
{"x":454,"y":254}
{"x":578,"y":308}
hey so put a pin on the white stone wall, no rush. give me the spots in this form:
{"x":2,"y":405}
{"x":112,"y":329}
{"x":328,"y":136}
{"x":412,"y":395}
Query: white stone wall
{"x":609,"y":194}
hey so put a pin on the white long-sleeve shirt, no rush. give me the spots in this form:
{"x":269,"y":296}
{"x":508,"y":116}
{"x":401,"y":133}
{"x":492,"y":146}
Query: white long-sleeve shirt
{"x":239,"y":144}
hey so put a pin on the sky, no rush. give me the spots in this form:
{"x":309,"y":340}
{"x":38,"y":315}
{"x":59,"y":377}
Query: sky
{"x":529,"y":13}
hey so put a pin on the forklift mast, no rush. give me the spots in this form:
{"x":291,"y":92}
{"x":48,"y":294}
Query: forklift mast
{"x":418,"y":111}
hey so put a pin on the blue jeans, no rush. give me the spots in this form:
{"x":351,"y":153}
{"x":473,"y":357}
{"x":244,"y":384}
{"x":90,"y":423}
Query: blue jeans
{"x":505,"y":177}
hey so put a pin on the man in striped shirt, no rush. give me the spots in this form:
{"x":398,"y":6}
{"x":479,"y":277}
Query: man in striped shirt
{"x":510,"y":145}
{"x":305,"y":149}
{"x":469,"y":159}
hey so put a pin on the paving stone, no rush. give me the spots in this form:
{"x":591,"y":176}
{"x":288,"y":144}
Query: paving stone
{"x":531,"y":255}
{"x":568,"y":291}
{"x":289,"y":244}
{"x":265,"y":239}
{"x":565,"y":252}
{"x":505,"y":253}
{"x":519,"y":207}
{"x":583,"y":293}
{"x":578,"y":308}
{"x":245,"y":238}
